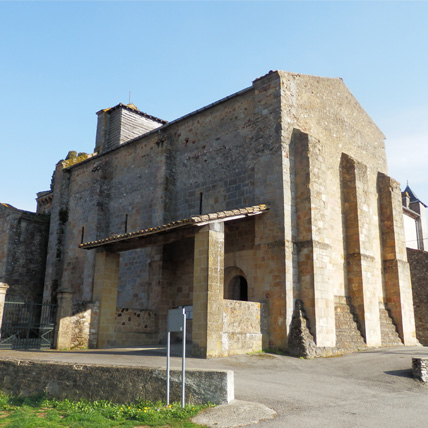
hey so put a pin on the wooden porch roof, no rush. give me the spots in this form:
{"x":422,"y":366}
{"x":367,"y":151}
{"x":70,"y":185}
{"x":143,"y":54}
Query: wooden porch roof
{"x":133,"y":239}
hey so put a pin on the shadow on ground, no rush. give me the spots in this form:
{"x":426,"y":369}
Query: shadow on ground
{"x":400,"y":373}
{"x":149,"y":351}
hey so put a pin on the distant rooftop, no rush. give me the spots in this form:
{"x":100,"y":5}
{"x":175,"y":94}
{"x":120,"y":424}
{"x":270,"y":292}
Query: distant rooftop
{"x":412,"y":195}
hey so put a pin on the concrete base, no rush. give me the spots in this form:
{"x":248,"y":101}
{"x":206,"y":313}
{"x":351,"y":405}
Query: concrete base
{"x":236,"y":414}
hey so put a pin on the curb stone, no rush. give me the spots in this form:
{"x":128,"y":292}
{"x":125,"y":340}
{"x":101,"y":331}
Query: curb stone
{"x":235,"y":414}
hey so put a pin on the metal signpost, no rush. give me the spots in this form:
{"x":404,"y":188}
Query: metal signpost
{"x":176,"y":322}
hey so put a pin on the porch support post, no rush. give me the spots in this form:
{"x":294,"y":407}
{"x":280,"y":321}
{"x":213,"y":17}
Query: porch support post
{"x":64,"y":327}
{"x":208,"y":285}
{"x":106,"y":280}
{"x":3,"y":289}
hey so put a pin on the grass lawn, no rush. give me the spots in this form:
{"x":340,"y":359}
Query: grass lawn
{"x":41,"y":412}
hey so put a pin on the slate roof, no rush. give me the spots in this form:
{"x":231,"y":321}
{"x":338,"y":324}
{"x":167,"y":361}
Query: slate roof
{"x":199,"y":220}
{"x":413,"y":197}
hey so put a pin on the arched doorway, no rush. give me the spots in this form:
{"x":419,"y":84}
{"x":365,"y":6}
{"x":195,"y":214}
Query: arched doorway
{"x":238,"y":288}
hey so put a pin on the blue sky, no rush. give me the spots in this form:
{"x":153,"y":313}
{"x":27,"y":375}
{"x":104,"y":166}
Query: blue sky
{"x":61,"y":62}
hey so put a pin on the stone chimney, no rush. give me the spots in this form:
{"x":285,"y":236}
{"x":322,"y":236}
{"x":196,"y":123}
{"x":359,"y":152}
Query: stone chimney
{"x":122,"y":123}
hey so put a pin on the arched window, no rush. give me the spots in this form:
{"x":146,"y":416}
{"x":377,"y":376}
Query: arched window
{"x":238,"y":288}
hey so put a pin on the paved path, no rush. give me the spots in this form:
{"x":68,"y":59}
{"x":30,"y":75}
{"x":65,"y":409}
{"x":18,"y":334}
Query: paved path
{"x":367,"y":389}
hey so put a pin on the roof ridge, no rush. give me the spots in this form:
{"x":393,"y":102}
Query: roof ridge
{"x":134,"y":109}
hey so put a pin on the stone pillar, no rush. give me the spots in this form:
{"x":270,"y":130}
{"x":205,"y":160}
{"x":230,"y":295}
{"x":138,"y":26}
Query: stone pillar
{"x":57,"y":233}
{"x":106,"y":279}
{"x":398,"y":287}
{"x":273,"y":241}
{"x":3,"y":290}
{"x":208,"y":284}
{"x":359,"y":249}
{"x":314,"y":251}
{"x":160,"y":291}
{"x":63,"y":326}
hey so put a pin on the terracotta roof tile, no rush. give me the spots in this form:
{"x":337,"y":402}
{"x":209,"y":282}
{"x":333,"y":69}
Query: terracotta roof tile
{"x":192,"y":221}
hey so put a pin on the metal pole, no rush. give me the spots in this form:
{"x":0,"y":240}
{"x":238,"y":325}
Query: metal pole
{"x":167,"y":367}
{"x":183,"y":362}
{"x":30,"y":321}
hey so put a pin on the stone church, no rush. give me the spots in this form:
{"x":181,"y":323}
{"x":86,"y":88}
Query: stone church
{"x":268,"y":214}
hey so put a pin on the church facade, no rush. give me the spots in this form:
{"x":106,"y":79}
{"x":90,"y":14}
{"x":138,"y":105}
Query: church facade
{"x":268,"y":214}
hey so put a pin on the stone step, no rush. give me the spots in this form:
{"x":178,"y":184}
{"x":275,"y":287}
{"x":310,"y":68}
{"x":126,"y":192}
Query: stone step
{"x":348,"y":336}
{"x":348,"y":326}
{"x":388,"y":330}
{"x":342,"y":313}
{"x":385,"y":319}
{"x":349,"y":332}
{"x":345,"y":315}
{"x":350,"y":346}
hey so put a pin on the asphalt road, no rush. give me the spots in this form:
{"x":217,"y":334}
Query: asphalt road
{"x":373,"y":388}
{"x":367,"y":389}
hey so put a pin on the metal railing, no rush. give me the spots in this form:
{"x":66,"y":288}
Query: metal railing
{"x":28,"y":325}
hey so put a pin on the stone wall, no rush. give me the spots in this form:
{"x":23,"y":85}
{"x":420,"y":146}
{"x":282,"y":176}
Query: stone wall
{"x":164,"y":174}
{"x":420,"y":369}
{"x":23,"y":245}
{"x":324,"y":123}
{"x":396,"y":272}
{"x":134,"y":289}
{"x":418,"y":261}
{"x":281,"y":142}
{"x":325,"y":109}
{"x":239,"y":256}
{"x":360,"y":256}
{"x":244,"y":327}
{"x":134,"y":320}
{"x":84,"y":324}
{"x":114,"y":383}
{"x":187,"y":166}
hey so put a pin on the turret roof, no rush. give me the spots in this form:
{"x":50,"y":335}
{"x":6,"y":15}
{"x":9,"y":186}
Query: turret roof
{"x":412,"y":195}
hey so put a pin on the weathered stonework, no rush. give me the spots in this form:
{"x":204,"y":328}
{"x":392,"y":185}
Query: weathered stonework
{"x":208,"y":292}
{"x":276,"y":194}
{"x":418,"y":261}
{"x":23,"y":246}
{"x":105,"y":292}
{"x":398,"y":288}
{"x":312,"y":240}
{"x":300,"y":341}
{"x":84,"y":324}
{"x":420,"y":369}
{"x":3,"y":289}
{"x":114,"y":383}
{"x":360,"y":257}
{"x":134,"y":320}
{"x":244,"y":326}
